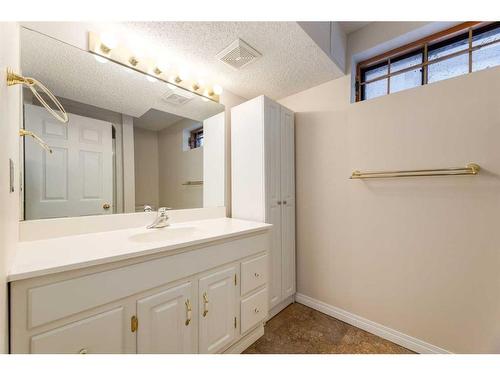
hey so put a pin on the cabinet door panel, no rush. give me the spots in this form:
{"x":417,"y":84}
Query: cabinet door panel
{"x":101,"y":333}
{"x":217,"y":309}
{"x":162,"y":321}
{"x":288,"y":202}
{"x":273,"y":192}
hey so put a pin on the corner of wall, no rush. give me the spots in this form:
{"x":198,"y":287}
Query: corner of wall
{"x":10,"y":117}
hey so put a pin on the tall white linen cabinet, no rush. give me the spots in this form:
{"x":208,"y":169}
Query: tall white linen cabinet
{"x":263,"y":185}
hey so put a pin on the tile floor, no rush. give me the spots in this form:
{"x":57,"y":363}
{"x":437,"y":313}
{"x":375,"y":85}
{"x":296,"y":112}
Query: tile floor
{"x":299,"y":329}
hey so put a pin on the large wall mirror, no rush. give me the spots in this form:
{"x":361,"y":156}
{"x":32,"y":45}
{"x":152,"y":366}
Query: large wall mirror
{"x":132,"y":141}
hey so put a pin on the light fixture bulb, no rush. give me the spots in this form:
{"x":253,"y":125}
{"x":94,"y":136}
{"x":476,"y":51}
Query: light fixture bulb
{"x":183,"y":74}
{"x":109,"y":40}
{"x":217,"y":90}
{"x":100,"y":59}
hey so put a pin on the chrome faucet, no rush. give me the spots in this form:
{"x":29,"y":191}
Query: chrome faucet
{"x":161,"y":219}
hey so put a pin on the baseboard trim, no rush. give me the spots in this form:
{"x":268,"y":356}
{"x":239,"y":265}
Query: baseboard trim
{"x":387,"y":333}
{"x":280,"y":306}
{"x":247,"y":340}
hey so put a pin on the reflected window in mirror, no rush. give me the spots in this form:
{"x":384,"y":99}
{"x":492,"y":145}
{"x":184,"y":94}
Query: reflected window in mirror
{"x":196,"y":138}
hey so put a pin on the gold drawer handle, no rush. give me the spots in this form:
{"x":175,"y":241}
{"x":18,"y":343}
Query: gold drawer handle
{"x":188,"y":312}
{"x":205,"y":304}
{"x":256,"y":310}
{"x":83,"y":351}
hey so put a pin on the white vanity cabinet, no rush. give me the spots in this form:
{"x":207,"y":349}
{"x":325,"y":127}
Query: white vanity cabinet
{"x":167,"y":321}
{"x":218,"y":320}
{"x":263,"y":185}
{"x":190,"y":300}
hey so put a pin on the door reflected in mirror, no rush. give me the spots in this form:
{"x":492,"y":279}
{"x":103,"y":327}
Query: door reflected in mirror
{"x":130,"y":143}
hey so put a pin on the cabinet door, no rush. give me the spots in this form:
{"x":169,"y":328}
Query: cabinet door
{"x":288,"y":203}
{"x":165,"y":321}
{"x":101,"y":333}
{"x":273,"y":194}
{"x":217,"y":309}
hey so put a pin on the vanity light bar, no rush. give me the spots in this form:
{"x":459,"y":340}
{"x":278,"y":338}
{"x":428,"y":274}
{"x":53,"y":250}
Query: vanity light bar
{"x":101,"y":46}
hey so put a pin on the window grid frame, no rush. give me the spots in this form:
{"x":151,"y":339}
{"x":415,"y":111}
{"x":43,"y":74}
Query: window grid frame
{"x":464,"y":31}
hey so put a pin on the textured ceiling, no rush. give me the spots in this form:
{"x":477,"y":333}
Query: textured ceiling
{"x":156,"y":120}
{"x":290,"y":62}
{"x":75,"y":74}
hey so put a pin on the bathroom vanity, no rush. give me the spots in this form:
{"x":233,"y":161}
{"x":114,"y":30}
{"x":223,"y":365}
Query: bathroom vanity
{"x":192,"y":287}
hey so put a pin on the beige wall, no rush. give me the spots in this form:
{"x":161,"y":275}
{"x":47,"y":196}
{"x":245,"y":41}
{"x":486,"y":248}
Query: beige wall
{"x":10,"y":114}
{"x":419,"y":255}
{"x":146,"y":158}
{"x":178,"y":166}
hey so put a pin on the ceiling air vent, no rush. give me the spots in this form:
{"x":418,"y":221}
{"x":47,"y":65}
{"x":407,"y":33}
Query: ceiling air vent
{"x":177,"y":97}
{"x":238,"y":54}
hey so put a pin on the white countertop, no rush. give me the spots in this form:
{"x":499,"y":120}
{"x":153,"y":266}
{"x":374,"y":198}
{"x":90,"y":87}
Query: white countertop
{"x":44,"y":257}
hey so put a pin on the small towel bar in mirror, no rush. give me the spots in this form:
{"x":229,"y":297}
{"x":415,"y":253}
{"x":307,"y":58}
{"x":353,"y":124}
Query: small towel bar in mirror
{"x":32,"y":84}
{"x":192,"y":183}
{"x":469,"y":169}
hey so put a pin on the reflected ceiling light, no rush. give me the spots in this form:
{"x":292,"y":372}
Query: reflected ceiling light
{"x":101,"y":59}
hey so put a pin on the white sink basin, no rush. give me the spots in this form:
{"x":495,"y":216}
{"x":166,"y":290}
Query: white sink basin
{"x":170,"y":233}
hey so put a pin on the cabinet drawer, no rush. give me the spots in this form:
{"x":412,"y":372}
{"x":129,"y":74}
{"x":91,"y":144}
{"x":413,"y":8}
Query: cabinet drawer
{"x":253,"y":310}
{"x":101,"y":333}
{"x":253,"y":274}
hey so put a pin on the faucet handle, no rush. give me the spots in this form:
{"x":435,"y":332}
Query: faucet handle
{"x":162,"y":211}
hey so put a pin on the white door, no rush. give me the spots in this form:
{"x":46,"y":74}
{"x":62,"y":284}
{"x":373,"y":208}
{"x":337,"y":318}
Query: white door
{"x":274,"y":201}
{"x":77,"y":178}
{"x":214,"y":161}
{"x":288,"y":202}
{"x":217,"y":309}
{"x":166,"y":321}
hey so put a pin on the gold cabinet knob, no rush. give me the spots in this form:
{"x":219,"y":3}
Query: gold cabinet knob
{"x":256,"y":274}
{"x":106,"y":206}
{"x":256,"y":310}
{"x":83,"y":351}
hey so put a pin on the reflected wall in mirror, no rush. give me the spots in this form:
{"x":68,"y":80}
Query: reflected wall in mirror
{"x":131,"y":141}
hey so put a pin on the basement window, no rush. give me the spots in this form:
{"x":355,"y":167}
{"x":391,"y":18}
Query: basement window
{"x":462,"y":49}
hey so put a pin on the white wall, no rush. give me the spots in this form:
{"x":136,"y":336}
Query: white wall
{"x":128,"y":164}
{"x":417,"y":255}
{"x":10,"y":115}
{"x":229,"y":100}
{"x":214,"y":159}
{"x":178,"y":166}
{"x":146,"y":158}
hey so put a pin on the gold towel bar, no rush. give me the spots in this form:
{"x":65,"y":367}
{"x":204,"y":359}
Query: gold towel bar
{"x":469,"y":169}
{"x":191,"y":183}
{"x":31,"y":83}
